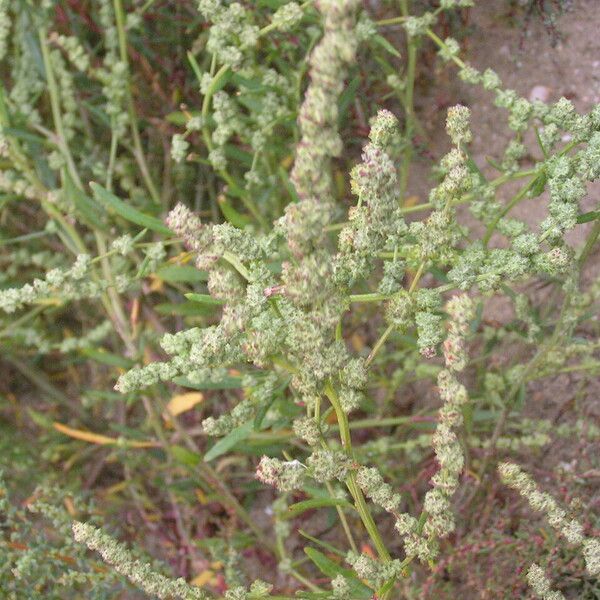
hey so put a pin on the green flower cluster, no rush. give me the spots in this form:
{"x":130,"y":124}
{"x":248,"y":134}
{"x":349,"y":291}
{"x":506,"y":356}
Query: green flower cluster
{"x":70,"y":284}
{"x":36,"y":537}
{"x":569,"y":528}
{"x":138,"y":572}
{"x":317,"y":119}
{"x":285,"y":476}
{"x":322,"y":466}
{"x":381,"y":493}
{"x":448,"y":451}
{"x":373,"y":571}
{"x":420,"y":536}
{"x":258,"y":589}
{"x":264,"y":99}
{"x":376,"y":222}
{"x":541,"y":585}
{"x":232,"y":33}
{"x":287,"y":16}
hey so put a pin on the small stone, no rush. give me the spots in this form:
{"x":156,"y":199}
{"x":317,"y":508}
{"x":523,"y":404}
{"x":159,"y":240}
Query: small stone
{"x":539,"y":92}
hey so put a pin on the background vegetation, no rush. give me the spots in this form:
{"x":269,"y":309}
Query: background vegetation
{"x":270,"y":328}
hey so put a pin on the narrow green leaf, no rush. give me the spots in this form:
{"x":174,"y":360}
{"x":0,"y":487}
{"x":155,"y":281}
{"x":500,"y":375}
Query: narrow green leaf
{"x":297,"y":509}
{"x":474,"y":168}
{"x":321,"y":543}
{"x":439,"y":275}
{"x":40,"y":419}
{"x":494,"y":164}
{"x":289,"y":186}
{"x":181,"y":118}
{"x":383,"y":42}
{"x":261,"y":413}
{"x":347,"y":99}
{"x":89,"y":212}
{"x":239,"y":155}
{"x":32,"y":41}
{"x":109,"y":200}
{"x":181,"y":274}
{"x":467,"y":412}
{"x":478,"y":318}
{"x":326,"y":565}
{"x":272,"y":4}
{"x":538,"y":186}
{"x":539,"y":141}
{"x":588,"y":216}
{"x":229,"y":441}
{"x":253,"y":104}
{"x":254,"y":84}
{"x":22,"y":134}
{"x":131,"y":433}
{"x":217,"y":82}
{"x":107,"y":358}
{"x":186,"y":457}
{"x":359,"y":590}
{"x":520,"y":399}
{"x":183,"y":309}
{"x":231,"y":214}
{"x":386,"y":587}
{"x":204,"y":299}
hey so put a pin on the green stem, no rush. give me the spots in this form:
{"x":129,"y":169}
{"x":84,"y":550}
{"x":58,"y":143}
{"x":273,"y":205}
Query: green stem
{"x":112,"y":157}
{"x":69,"y":234}
{"x":133,"y":122}
{"x":408,"y":105}
{"x":343,"y":520}
{"x":416,"y":278}
{"x":375,"y":297}
{"x":387,"y":422}
{"x":110,"y":299}
{"x":379,"y":344}
{"x":441,"y":44}
{"x":355,"y":491}
{"x":235,"y":262}
{"x":309,"y":584}
{"x":118,"y":312}
{"x":392,"y":21}
{"x":511,"y":204}
{"x":55,"y":106}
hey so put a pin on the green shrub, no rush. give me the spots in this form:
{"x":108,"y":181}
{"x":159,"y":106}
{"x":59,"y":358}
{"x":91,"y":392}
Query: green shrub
{"x":215,"y":249}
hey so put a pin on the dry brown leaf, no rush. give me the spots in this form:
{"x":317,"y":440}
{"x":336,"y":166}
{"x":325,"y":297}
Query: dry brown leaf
{"x":410,"y":201}
{"x":183,"y":402}
{"x":203,"y":578}
{"x":97,"y":438}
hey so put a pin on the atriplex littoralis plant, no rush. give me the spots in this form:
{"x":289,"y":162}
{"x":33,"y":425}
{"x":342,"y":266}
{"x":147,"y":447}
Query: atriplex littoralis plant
{"x":290,"y":294}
